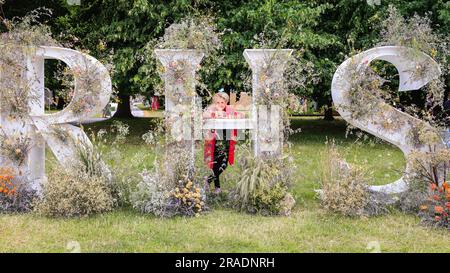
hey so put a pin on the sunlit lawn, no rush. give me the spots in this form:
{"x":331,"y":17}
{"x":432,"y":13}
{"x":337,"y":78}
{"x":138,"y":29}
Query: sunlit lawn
{"x":309,"y":229}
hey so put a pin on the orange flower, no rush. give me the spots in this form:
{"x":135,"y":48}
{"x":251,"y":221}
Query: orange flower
{"x":438,"y":209}
{"x":423,"y":207}
{"x":433,"y":186}
{"x":447,"y":205}
{"x":445,"y":185}
{"x":6,"y":184}
{"x":436,"y":197}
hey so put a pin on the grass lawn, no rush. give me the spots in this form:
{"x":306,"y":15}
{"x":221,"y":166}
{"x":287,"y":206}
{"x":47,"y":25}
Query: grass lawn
{"x":309,"y":229}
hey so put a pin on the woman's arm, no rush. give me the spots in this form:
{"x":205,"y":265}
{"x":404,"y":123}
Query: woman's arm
{"x":209,"y":112}
{"x":232,"y":113}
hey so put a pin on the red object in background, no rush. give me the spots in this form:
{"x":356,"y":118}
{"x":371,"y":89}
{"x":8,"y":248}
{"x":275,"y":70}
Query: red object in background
{"x":155,"y":103}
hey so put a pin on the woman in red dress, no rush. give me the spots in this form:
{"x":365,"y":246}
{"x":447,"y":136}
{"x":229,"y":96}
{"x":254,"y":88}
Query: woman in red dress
{"x":219,"y":144}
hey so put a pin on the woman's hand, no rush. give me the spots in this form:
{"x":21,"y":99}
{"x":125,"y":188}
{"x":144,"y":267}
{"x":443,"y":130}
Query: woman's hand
{"x":210,"y":112}
{"x":221,"y":114}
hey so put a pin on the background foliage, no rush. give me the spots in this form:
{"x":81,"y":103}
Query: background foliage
{"x":326,"y":30}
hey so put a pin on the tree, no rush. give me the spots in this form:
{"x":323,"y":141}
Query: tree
{"x":328,"y":31}
{"x":125,"y":27}
{"x":356,"y":24}
{"x":294,"y":22}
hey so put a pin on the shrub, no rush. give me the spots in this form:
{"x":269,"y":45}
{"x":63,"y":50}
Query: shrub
{"x":170,"y":188}
{"x":426,"y":196}
{"x":74,"y":194}
{"x":14,"y":196}
{"x":345,"y":188}
{"x":436,"y":209}
{"x":346,"y":195}
{"x":263,"y":185}
{"x":106,"y":148}
{"x":186,"y":199}
{"x":150,"y":195}
{"x":7,"y":187}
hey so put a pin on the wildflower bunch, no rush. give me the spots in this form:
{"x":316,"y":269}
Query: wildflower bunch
{"x":436,"y":209}
{"x":15,"y":147}
{"x":188,"y":198}
{"x":7,"y":187}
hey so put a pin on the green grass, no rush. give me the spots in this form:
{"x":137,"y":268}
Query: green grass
{"x":308,"y":229}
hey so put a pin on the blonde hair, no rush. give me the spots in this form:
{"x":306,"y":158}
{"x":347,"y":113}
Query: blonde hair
{"x":221,"y":95}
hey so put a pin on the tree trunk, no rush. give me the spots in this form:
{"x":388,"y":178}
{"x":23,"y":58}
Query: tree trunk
{"x":61,"y":104}
{"x":328,"y":113}
{"x":123,"y":107}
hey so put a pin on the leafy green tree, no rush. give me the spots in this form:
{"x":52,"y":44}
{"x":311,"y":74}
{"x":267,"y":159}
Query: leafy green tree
{"x":357,"y":24}
{"x":326,"y":31}
{"x":125,"y":27}
{"x":292,"y":24}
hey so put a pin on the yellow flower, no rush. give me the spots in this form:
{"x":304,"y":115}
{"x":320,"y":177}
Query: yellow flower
{"x":101,"y":46}
{"x":433,"y":52}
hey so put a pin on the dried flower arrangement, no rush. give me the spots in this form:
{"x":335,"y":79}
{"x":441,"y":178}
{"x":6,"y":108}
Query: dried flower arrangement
{"x":369,"y":92}
{"x":368,"y":98}
{"x":278,"y":88}
{"x":171,"y":188}
{"x":23,"y":35}
{"x":60,"y":133}
{"x":191,"y":33}
{"x":25,"y":38}
{"x":15,"y":147}
{"x":345,"y":188}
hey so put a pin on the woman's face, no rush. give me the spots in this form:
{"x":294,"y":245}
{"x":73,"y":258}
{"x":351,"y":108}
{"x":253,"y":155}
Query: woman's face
{"x":220,"y":104}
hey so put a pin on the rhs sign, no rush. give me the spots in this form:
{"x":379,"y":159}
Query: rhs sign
{"x":26,"y":129}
